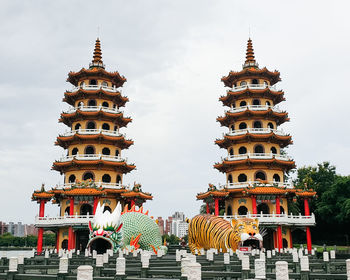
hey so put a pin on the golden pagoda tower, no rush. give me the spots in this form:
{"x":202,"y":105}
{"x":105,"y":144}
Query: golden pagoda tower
{"x":94,"y":166}
{"x":256,"y":164}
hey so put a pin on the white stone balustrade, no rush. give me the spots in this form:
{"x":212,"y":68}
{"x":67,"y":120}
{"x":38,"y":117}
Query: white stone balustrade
{"x":63,"y":265}
{"x":282,"y":270}
{"x":85,"y":272}
{"x":252,"y":86}
{"x":120,"y":266}
{"x":99,"y":260}
{"x":13,"y":264}
{"x":260,"y":269}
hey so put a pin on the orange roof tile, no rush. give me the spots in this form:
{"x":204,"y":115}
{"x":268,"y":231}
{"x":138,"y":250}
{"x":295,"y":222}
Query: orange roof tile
{"x":268,"y":190}
{"x":305,"y":193}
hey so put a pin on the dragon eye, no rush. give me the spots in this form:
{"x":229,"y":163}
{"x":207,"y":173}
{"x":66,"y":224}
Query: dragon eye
{"x":104,"y":235}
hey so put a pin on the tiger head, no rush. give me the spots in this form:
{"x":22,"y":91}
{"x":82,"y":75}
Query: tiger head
{"x":246,"y":232}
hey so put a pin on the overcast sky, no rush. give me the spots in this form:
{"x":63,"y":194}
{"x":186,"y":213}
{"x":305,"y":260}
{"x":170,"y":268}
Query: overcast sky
{"x":173,"y":54}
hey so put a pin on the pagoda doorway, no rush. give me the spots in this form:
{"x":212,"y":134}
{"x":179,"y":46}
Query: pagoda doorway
{"x":268,"y":239}
{"x":82,"y":239}
{"x":86,"y":209}
{"x":263,"y":208}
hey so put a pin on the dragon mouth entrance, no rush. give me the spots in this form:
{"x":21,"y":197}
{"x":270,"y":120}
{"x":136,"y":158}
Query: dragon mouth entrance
{"x":100,"y":244}
{"x":252,"y":242}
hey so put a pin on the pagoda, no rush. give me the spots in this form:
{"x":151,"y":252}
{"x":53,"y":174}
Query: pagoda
{"x":256,"y":165}
{"x":93,"y":167}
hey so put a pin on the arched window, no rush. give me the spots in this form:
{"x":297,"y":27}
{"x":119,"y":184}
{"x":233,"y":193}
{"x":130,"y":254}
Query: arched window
{"x":260,"y":175}
{"x":106,"y":151}
{"x":284,"y":243}
{"x":105,"y":104}
{"x":282,"y":210}
{"x":242,"y":178}
{"x":270,"y":125}
{"x":231,"y":152}
{"x":257,"y":124}
{"x":93,"y":82}
{"x":258,"y":149}
{"x":242,"y":210}
{"x":88,"y":175}
{"x":273,"y":150}
{"x":276,"y":178}
{"x":268,"y":103}
{"x":117,"y":153}
{"x":86,"y":209}
{"x":242,"y":150}
{"x":229,"y":179}
{"x":67,"y":210}
{"x":105,"y":126}
{"x":71,"y":178}
{"x":91,"y":125}
{"x":64,"y":244}
{"x":107,"y":208}
{"x":229,"y":211}
{"x":119,"y":179}
{"x":92,"y":103}
{"x":106,"y":178}
{"x":243,"y":83}
{"x":264,"y":208}
{"x":243,"y":103}
{"x":232,"y":127}
{"x":255,"y":82}
{"x":75,"y":151}
{"x":242,"y":125}
{"x":115,"y":128}
{"x":104,"y":84}
{"x":77,"y":126}
{"x":256,"y":102}
{"x":89,"y":150}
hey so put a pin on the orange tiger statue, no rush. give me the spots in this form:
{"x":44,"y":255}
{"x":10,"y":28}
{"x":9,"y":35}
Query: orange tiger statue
{"x":208,"y":231}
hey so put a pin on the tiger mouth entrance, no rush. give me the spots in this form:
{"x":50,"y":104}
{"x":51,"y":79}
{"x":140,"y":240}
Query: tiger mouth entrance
{"x":100,"y":245}
{"x":253,"y":243}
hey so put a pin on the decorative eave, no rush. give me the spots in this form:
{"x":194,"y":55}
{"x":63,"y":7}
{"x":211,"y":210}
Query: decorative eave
{"x":213,"y":194}
{"x":69,"y":118}
{"x":268,"y":190}
{"x":96,"y":72}
{"x":119,"y":141}
{"x":305,"y":193}
{"x":78,"y":191}
{"x":251,"y":72}
{"x":71,"y":96}
{"x":227,"y":141}
{"x":134,"y":194}
{"x":42,"y":195}
{"x":232,"y":96}
{"x":230,"y":117}
{"x":228,"y":166}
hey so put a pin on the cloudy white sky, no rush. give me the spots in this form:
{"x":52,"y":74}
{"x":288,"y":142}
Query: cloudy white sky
{"x":173,"y":54}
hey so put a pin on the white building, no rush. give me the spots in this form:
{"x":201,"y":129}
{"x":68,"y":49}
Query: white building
{"x":179,"y":228}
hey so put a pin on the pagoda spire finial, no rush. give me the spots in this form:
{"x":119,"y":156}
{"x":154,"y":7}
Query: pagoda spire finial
{"x":97,"y":57}
{"x":250,"y":58}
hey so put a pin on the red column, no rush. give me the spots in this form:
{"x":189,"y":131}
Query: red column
{"x":132,"y":202}
{"x":70,"y":230}
{"x":278,"y":205}
{"x":216,"y":206}
{"x":308,"y":233}
{"x":208,"y":210}
{"x":279,"y":228}
{"x":255,"y":211}
{"x":96,"y":198}
{"x":41,"y":230}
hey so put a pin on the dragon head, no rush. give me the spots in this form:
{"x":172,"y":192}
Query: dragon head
{"x":105,"y":229}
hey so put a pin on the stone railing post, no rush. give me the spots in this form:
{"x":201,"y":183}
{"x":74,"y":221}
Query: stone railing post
{"x":63,"y":268}
{"x":326,"y":261}
{"x":184,"y":265}
{"x":20,"y":264}
{"x":296,"y":262}
{"x":304,"y":268}
{"x":120,"y":269}
{"x":13,"y":268}
{"x":260,"y":269}
{"x":227,"y":261}
{"x":85,"y":272}
{"x":245,"y":266}
{"x":99,"y":264}
{"x":194,"y":271}
{"x":105,"y":257}
{"x":348,"y":269}
{"x":145,"y":264}
{"x":282,"y":270}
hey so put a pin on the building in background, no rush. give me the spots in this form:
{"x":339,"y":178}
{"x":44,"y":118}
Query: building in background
{"x":161,"y":225}
{"x":168,"y":222}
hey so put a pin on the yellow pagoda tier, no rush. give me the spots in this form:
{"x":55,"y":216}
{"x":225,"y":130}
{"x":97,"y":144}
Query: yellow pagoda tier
{"x":93,"y":167}
{"x":256,"y":164}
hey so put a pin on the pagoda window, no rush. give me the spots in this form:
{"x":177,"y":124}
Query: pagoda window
{"x":77,"y":126}
{"x":107,"y":208}
{"x":105,"y":104}
{"x":242,"y":178}
{"x":106,"y":178}
{"x":243,"y":83}
{"x":75,"y":151}
{"x":91,"y":125}
{"x":115,"y":128}
{"x":268,"y":103}
{"x":260,"y":176}
{"x":229,"y":179}
{"x":119,"y":179}
{"x":67,"y":210}
{"x":255,"y":82}
{"x":105,"y":126}
{"x":229,"y":211}
{"x":89,"y":150}
{"x":273,"y":150}
{"x":92,"y":103}
{"x":270,"y":125}
{"x":231,"y":152}
{"x":276,"y":178}
{"x":282,"y":210}
{"x":263,"y":208}
{"x":88,"y":175}
{"x":258,"y":149}
{"x":232,"y":127}
{"x":93,"y":82}
{"x":86,"y":209}
{"x":242,"y":210}
{"x":257,"y":124}
{"x":71,"y":179}
{"x":64,"y":244}
{"x":104,"y":84}
{"x":284,"y":243}
{"x":117,"y":153}
{"x":243,"y":103}
{"x":242,"y":125}
{"x":256,"y":102}
{"x":242,"y":150}
{"x":106,"y":151}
